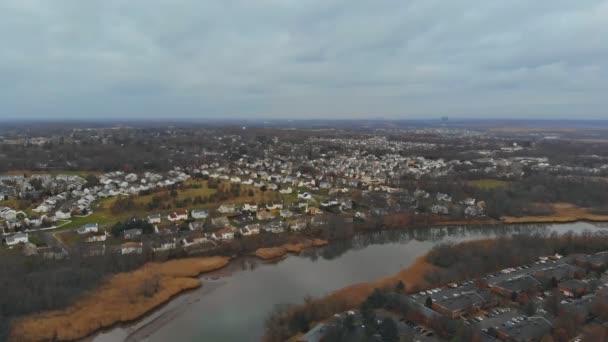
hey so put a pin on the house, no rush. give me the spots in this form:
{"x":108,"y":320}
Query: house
{"x":97,"y":237}
{"x":194,"y":239}
{"x":558,"y":272}
{"x":196,"y":225}
{"x":250,"y":207}
{"x":88,"y":228}
{"x":199,"y":214}
{"x":298,"y":225}
{"x":95,"y":250}
{"x":440,"y":209}
{"x":63,"y":214}
{"x":598,"y":261}
{"x":227,"y":209}
{"x":443,"y":197}
{"x":264,"y":215}
{"x":156,"y":218}
{"x":52,"y":252}
{"x":314,"y":211}
{"x":221,"y":221}
{"x":16,"y":239}
{"x":287,"y":191}
{"x":7,"y":213}
{"x":509,"y":287}
{"x":274,"y":206}
{"x":245,"y":231}
{"x":300,"y":205}
{"x":459,"y":304}
{"x":131,"y":177}
{"x":329,"y":203}
{"x":131,"y":248}
{"x":573,"y":288}
{"x":346,"y":205}
{"x":164,"y":245}
{"x":304,"y":195}
{"x":473,"y":210}
{"x":178,"y":216}
{"x":43,"y":208}
{"x":286,"y":213}
{"x":132,"y":233}
{"x":274,"y":227}
{"x":226,"y":233}
{"x":252,"y":229}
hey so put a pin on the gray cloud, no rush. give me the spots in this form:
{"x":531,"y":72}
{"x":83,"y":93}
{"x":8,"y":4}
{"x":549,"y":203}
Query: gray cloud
{"x":303,"y":59}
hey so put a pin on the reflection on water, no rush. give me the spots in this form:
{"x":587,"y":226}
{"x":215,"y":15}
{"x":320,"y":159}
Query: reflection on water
{"x":233,"y":302}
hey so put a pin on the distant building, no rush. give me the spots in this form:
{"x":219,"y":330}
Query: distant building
{"x":88,"y":228}
{"x":156,"y":218}
{"x":16,"y":239}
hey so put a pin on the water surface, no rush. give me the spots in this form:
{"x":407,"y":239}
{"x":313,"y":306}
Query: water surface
{"x":234,"y":302}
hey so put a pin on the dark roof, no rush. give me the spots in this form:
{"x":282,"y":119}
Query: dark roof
{"x":573,"y":284}
{"x":461,"y":302}
{"x":518,"y":284}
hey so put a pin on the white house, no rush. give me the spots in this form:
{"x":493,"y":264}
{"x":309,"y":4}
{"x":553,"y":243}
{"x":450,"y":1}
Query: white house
{"x":329,"y":203}
{"x":178,"y":216}
{"x":199,"y":214}
{"x":196,"y":225}
{"x":165,"y":245}
{"x":17,"y":238}
{"x":274,"y":206}
{"x":287,"y":191}
{"x":192,"y":240}
{"x":304,"y":195}
{"x":88,"y":228}
{"x":156,"y":218}
{"x":97,"y":237}
{"x":63,"y":215}
{"x":43,"y":208}
{"x":250,"y":207}
{"x":131,"y":248}
{"x":226,"y":233}
{"x":286,"y":213}
{"x":227,"y":209}
{"x":8,"y":213}
{"x":131,"y":177}
{"x":251,"y":229}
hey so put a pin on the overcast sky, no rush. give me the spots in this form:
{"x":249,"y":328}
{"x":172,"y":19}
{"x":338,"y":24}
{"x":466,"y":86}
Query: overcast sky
{"x":303,"y":59}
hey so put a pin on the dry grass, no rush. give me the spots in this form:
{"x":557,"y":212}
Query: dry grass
{"x":123,"y":297}
{"x":562,"y":212}
{"x":412,"y":277}
{"x":295,"y":247}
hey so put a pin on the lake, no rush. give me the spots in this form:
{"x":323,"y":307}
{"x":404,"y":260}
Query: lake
{"x":233,"y":302}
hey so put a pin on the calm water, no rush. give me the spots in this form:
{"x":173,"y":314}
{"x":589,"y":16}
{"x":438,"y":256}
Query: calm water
{"x":234,"y":302}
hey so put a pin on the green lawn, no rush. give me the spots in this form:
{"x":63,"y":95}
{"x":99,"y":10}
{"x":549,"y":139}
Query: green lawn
{"x":489,"y":184}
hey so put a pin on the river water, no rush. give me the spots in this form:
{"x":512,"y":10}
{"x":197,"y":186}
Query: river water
{"x":233,"y":302}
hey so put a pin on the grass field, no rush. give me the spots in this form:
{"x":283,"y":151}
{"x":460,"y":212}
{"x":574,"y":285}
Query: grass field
{"x":489,"y":184}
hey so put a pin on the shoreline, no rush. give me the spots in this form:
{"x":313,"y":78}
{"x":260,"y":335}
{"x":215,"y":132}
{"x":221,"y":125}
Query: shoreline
{"x":271,"y":253}
{"x":28,"y":328}
{"x":117,"y":301}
